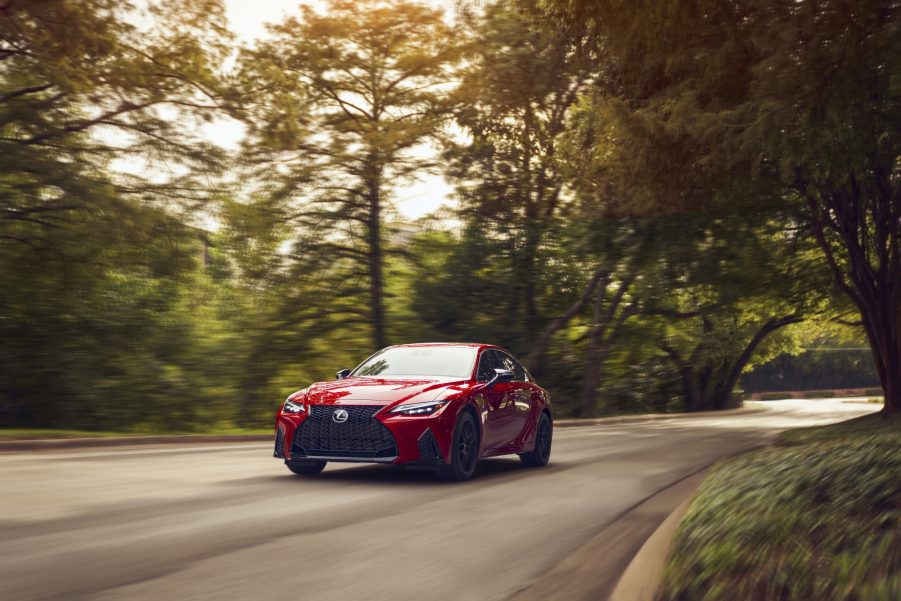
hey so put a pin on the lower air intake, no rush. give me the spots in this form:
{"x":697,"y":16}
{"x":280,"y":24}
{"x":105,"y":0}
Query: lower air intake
{"x":279,"y":443}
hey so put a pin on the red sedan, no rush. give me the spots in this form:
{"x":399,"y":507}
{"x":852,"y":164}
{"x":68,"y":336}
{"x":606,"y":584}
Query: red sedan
{"x":440,"y":406}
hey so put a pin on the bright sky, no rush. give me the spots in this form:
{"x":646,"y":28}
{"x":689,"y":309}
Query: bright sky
{"x":247,"y":18}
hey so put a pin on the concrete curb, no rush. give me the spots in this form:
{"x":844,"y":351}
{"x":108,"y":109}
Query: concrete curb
{"x":642,"y":579}
{"x":628,"y":419}
{"x":594,"y":571}
{"x":49,"y":444}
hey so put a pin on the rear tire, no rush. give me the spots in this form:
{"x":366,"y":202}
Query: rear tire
{"x":305,"y":467}
{"x":464,"y":452}
{"x":544,"y":435}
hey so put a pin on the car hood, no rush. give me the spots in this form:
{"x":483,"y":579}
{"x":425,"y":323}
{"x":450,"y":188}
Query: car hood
{"x":379,"y":391}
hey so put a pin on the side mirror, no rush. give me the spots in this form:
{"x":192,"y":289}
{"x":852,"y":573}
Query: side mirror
{"x":501,"y":375}
{"x":342,"y":374}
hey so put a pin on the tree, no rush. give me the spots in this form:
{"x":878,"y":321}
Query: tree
{"x":797,"y":102}
{"x":724,"y":294}
{"x":618,"y":252}
{"x":82,"y":86}
{"x":521,"y":81}
{"x":711,"y":352}
{"x":99,"y":105}
{"x":339,"y":106}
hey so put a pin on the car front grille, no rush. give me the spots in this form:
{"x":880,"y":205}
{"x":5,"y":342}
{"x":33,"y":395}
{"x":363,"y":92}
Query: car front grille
{"x":361,"y":436}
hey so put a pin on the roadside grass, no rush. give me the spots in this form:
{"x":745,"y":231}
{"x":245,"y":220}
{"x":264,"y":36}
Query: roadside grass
{"x":818,"y":517}
{"x":37,"y":433}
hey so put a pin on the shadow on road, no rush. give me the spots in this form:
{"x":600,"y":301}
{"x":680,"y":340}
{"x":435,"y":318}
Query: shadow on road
{"x":396,"y":474}
{"x":488,"y":469}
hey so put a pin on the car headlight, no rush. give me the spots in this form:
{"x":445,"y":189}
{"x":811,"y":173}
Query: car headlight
{"x":427,"y":408}
{"x":292,"y":407}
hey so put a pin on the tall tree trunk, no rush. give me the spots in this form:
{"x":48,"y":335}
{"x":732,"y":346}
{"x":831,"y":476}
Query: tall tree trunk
{"x":591,"y":373}
{"x":691,"y":392}
{"x":605,"y":328}
{"x":374,"y":240}
{"x":539,"y":348}
{"x":725,"y":389}
{"x":857,"y":224}
{"x":530,"y":255}
{"x":883,"y":327}
{"x":705,"y":389}
{"x":691,"y":395}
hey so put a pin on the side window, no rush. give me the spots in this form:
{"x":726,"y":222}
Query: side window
{"x":514,"y":366}
{"x":487,"y":364}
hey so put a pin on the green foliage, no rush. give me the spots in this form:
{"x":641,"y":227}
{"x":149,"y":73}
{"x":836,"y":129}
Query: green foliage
{"x":82,"y":87}
{"x":819,"y":394}
{"x":108,"y":336}
{"x":792,"y":106}
{"x":97,"y":323}
{"x":337,"y":104}
{"x":604,"y":175}
{"x":824,"y":368}
{"x":819,"y":519}
{"x":520,"y":80}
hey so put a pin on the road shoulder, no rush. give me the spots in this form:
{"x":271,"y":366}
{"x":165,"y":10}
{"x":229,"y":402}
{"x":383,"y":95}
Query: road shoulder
{"x":594,"y":570}
{"x":54,"y":444}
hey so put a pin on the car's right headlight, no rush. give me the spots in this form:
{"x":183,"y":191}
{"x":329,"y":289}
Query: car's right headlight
{"x":426,"y":408}
{"x":292,"y":407}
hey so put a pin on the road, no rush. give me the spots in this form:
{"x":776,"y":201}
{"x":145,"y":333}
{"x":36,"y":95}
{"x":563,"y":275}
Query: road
{"x":229,"y":522}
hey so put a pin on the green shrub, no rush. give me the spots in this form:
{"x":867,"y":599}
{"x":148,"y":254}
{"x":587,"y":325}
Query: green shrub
{"x":873,"y":392}
{"x":819,"y":394}
{"x":774,"y":396}
{"x":818,"y":519}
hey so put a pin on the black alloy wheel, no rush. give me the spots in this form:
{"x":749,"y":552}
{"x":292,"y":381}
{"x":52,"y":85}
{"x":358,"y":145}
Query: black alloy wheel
{"x":464,"y":451}
{"x":543,"y":438}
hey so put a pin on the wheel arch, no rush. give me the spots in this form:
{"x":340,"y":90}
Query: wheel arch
{"x":471,"y":410}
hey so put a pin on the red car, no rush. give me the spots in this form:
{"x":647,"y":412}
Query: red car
{"x":440,"y":406}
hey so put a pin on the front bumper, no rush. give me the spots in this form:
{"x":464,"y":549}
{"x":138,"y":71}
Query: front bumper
{"x":370,"y":435}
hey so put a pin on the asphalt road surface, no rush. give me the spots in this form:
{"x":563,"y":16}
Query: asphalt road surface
{"x":228,"y":521}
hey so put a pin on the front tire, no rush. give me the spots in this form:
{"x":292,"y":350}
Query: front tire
{"x":543,"y":438}
{"x":464,"y":451}
{"x":306,"y":467}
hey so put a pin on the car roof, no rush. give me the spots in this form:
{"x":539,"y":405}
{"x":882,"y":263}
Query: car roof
{"x":472,"y":344}
{"x":477,"y":345}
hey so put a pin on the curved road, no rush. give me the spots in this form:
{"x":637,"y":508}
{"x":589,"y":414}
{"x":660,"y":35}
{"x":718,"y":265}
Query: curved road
{"x":229,"y":522}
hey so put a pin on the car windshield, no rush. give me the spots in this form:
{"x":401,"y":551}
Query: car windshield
{"x":447,"y":361}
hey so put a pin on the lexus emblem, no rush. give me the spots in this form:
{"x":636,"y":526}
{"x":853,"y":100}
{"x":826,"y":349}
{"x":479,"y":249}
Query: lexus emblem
{"x":340,"y":416}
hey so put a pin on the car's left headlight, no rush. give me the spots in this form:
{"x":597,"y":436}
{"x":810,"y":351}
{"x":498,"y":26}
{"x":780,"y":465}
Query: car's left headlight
{"x":426,"y":408}
{"x":292,"y":407}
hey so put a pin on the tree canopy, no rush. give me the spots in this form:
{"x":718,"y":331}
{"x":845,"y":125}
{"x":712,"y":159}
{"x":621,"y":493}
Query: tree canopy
{"x":649,"y":199}
{"x":788,"y":104}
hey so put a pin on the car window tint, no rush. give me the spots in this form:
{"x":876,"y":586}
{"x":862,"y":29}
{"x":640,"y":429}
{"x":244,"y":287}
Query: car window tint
{"x":513,"y":365}
{"x":521,"y":375}
{"x":487,"y":364}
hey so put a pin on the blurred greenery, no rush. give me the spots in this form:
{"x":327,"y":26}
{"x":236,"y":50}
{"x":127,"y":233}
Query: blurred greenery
{"x":825,"y":368}
{"x":606,"y":228}
{"x":42,"y":433}
{"x":818,"y":518}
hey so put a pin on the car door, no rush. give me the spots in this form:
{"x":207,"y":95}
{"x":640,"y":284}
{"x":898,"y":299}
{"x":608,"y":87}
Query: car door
{"x":497,"y":406}
{"x":519,"y":400}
